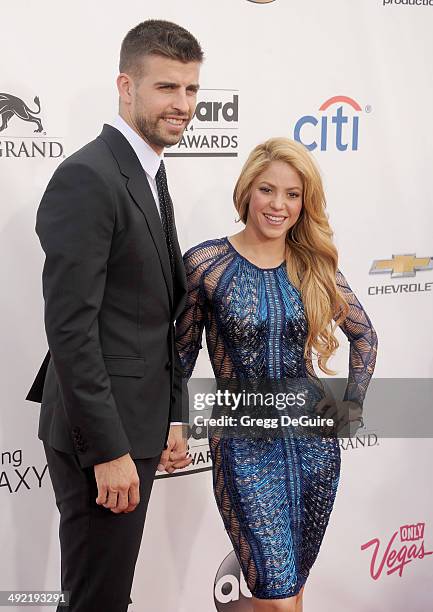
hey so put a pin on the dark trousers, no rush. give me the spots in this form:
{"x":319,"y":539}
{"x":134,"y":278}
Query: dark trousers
{"x":99,"y":549}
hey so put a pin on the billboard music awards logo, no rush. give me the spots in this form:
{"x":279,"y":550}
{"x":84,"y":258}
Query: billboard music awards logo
{"x":231,"y":593}
{"x":25,"y":131}
{"x":14,"y":477}
{"x":213,"y":130}
{"x":337,"y":128}
{"x":405,"y":546}
{"x":401,"y":266}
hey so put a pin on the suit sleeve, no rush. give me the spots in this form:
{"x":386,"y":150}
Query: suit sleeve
{"x":75,"y":223}
{"x":180,"y":396}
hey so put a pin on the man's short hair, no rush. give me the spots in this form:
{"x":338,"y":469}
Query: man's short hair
{"x":157,"y":37}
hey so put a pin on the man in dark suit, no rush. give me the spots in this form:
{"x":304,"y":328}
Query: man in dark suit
{"x":110,"y":387}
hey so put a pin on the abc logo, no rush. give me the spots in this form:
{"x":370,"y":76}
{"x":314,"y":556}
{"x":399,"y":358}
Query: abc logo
{"x":230,"y":589}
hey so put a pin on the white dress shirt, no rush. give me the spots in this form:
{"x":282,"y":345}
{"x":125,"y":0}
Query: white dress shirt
{"x":148,"y":158}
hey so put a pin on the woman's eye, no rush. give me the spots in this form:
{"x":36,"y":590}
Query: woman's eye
{"x":265,"y":189}
{"x":293,"y":193}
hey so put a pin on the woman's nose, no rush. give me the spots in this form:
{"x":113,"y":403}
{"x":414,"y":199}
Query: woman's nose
{"x":278,"y":202}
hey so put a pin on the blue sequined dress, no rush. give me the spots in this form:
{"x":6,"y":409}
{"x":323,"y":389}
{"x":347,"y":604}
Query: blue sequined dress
{"x":275,"y":496}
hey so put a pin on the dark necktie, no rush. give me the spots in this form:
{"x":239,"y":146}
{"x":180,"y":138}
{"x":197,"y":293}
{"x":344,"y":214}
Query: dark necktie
{"x":167,"y":214}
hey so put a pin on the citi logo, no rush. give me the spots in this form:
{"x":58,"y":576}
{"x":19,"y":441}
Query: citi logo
{"x":337,"y":126}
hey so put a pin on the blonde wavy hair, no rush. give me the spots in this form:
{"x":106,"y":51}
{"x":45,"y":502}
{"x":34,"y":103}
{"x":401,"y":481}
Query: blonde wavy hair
{"x":311,"y":256}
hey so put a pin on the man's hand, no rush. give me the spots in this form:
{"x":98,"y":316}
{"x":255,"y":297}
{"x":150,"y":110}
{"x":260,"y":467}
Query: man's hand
{"x":118,"y":484}
{"x":176,"y":455}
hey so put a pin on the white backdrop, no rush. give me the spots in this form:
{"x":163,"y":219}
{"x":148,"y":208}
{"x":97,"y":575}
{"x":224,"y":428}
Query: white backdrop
{"x":274,"y":65}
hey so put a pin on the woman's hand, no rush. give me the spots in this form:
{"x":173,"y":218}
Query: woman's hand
{"x":176,"y":455}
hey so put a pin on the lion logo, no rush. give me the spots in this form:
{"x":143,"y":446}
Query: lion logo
{"x":11,"y":105}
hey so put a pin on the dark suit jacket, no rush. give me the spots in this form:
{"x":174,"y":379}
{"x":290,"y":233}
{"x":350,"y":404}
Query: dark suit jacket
{"x":111,"y":381}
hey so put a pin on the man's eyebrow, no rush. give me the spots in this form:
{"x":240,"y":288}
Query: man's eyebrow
{"x":172,"y":84}
{"x":195,"y":86}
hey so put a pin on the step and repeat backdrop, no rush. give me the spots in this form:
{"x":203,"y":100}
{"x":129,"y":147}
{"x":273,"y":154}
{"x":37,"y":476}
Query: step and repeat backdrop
{"x":350,"y":80}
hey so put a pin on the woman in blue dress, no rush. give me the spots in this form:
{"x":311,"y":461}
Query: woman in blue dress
{"x":269,"y":299}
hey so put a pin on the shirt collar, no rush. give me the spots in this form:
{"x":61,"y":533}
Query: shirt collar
{"x":149,"y":159}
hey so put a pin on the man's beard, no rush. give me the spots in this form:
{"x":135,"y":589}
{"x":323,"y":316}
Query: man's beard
{"x":149,"y":130}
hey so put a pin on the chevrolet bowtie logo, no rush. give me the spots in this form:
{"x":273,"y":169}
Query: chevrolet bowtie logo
{"x":401,"y":265}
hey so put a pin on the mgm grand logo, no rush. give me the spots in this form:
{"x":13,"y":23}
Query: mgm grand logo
{"x":23,"y":145}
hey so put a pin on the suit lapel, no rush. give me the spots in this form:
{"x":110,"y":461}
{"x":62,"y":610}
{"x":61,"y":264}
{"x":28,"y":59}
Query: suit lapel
{"x":137,"y":186}
{"x":139,"y":189}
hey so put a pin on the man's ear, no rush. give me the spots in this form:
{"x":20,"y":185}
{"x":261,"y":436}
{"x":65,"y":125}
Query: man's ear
{"x":125,"y":87}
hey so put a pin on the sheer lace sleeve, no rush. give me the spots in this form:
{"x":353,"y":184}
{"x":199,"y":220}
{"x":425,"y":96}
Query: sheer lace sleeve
{"x":189,"y":326}
{"x":363,"y":344}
